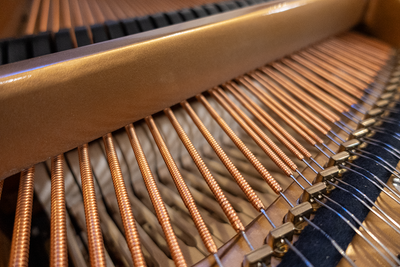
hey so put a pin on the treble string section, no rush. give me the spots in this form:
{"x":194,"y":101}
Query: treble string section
{"x":372,"y":157}
{"x":382,"y":186}
{"x":339,"y":106}
{"x":271,"y":124}
{"x":303,"y":67}
{"x":395,"y":226}
{"x":319,"y":88}
{"x":357,"y":92}
{"x":293,"y":122}
{"x":310,"y":94}
{"x":360,"y":152}
{"x":350,"y":225}
{"x":261,"y":139}
{"x":379,"y":129}
{"x":369,"y":200}
{"x":340,"y":79}
{"x":358,"y":232}
{"x":377,"y":182}
{"x":394,"y":258}
{"x":372,"y":92}
{"x":297,"y":108}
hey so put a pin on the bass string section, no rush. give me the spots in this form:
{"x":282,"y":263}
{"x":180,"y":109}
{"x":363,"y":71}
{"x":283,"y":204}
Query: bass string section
{"x":235,"y":175}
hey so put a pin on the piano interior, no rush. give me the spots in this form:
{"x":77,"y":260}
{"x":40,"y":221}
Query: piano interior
{"x":199,"y":133}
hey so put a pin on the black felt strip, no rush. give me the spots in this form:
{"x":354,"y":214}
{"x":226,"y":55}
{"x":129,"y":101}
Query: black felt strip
{"x":41,"y":44}
{"x":18,"y":49}
{"x":63,"y":40}
{"x":242,"y":3}
{"x":82,"y":36}
{"x":187,"y":14}
{"x":222,"y":7}
{"x":251,"y":2}
{"x":173,"y":17}
{"x":99,"y":33}
{"x":115,"y":29}
{"x":231,"y":5}
{"x":211,"y":9}
{"x":159,"y":20}
{"x":199,"y":12}
{"x":314,"y":246}
{"x":145,"y":23}
{"x":130,"y":26}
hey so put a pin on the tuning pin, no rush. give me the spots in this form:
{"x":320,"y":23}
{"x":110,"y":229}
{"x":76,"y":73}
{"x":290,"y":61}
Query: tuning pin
{"x":391,"y":88}
{"x":259,"y":257}
{"x":367,"y":123}
{"x":387,"y":96}
{"x":375,"y":112}
{"x":338,"y":158}
{"x":295,"y":215}
{"x":312,"y":192}
{"x":349,"y":145}
{"x":328,"y":174}
{"x":382,"y":103}
{"x":276,"y":238}
{"x":357,"y":134}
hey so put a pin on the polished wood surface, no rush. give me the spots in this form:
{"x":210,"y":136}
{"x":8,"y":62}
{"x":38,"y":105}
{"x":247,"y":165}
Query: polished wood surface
{"x":13,"y":16}
{"x":382,"y":20}
{"x":135,"y":76}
